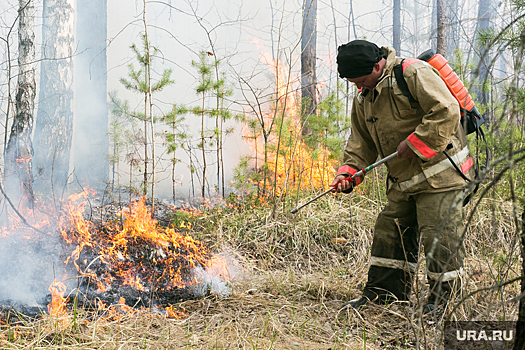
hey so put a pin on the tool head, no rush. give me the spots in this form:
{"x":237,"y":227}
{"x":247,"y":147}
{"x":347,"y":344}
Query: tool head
{"x":293,"y":211}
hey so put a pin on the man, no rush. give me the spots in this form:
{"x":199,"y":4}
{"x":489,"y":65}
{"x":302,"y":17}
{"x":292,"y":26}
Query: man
{"x":422,"y":184}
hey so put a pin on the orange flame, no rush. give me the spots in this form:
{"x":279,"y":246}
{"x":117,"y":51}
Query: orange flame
{"x":57,"y":306}
{"x":171,"y":312}
{"x":134,"y":251}
{"x":297,"y":166}
{"x":119,"y":247}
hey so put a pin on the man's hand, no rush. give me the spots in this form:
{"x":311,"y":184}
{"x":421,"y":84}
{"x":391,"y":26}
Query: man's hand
{"x":343,"y":183}
{"x":403,"y":151}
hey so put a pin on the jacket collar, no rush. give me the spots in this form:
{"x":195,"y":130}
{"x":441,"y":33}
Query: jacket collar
{"x":387,"y":70}
{"x":390,"y":61}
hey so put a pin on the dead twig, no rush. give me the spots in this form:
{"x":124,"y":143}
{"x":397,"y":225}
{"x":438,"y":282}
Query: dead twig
{"x":17,"y":212}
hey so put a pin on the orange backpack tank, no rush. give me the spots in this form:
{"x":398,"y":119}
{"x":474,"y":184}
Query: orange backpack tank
{"x":471,"y":119}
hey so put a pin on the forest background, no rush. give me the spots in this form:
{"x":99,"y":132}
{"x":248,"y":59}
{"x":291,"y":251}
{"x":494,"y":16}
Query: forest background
{"x":223,"y":104}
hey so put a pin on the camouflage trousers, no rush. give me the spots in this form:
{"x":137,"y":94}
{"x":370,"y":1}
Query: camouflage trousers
{"x":427,"y":218}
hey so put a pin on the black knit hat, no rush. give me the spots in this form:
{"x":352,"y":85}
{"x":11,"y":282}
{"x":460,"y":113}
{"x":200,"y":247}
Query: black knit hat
{"x":357,"y":58}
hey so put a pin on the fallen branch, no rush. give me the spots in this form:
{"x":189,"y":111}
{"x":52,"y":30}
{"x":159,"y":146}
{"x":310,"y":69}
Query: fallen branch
{"x":17,"y":212}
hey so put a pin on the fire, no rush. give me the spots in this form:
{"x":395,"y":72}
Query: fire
{"x":123,"y":307}
{"x":218,"y":266}
{"x":121,"y":259}
{"x":126,"y":266}
{"x":57,"y":306}
{"x":24,"y":158}
{"x":172,"y":312}
{"x":296,"y":165}
{"x":134,"y":256}
{"x":118,"y":311}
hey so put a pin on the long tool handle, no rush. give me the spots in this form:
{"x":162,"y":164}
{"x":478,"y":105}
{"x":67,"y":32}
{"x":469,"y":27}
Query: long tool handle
{"x":295,"y":210}
{"x":359,"y":173}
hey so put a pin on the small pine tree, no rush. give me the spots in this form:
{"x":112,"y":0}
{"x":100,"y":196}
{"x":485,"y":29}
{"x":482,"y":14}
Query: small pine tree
{"x":125,"y":138}
{"x":210,"y":87}
{"x":174,"y":138}
{"x":140,"y":81}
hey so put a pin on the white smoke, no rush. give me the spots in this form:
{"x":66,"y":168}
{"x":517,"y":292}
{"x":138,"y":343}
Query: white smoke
{"x":217,"y":278}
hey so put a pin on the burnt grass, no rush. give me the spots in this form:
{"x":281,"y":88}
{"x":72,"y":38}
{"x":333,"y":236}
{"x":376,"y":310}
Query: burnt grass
{"x":144,"y":258}
{"x":141,"y":257}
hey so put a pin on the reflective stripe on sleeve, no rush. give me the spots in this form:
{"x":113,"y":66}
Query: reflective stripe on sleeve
{"x":467,"y":165}
{"x":393,"y":263}
{"x":458,"y":158}
{"x":422,"y":148}
{"x":445,"y":277}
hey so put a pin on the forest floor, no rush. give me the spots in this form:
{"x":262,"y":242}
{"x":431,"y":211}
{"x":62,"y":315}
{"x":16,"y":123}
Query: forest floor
{"x":290,"y":276}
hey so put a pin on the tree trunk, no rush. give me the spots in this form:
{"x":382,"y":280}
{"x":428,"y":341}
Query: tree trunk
{"x":351,"y":18}
{"x":441,"y":24}
{"x":145,"y":181}
{"x":151,"y":118}
{"x":417,"y":25}
{"x":397,"y":27}
{"x":19,"y":152}
{"x":519,"y":343}
{"x":90,"y":141}
{"x":308,"y":61}
{"x":453,"y":28}
{"x":54,"y":122}
{"x":433,"y":26}
{"x":203,"y":146}
{"x":485,"y":6}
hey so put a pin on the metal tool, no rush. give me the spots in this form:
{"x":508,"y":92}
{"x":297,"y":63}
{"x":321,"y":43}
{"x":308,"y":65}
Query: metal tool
{"x":359,"y":173}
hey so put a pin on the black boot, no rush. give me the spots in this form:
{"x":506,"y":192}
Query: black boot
{"x":434,"y":309}
{"x":357,"y":304}
{"x":440,"y":294}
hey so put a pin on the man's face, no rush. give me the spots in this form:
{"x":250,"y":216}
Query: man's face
{"x":368,"y":81}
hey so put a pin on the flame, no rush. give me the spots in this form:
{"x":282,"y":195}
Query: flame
{"x":218,"y":266}
{"x":297,"y":166}
{"x":57,"y":306}
{"x":132,"y":253}
{"x":23,"y":160}
{"x":123,"y":307}
{"x":172,"y":312}
{"x":118,"y":247}
{"x":136,"y":253}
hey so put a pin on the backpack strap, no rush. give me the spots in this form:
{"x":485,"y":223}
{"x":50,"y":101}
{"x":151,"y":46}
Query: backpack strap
{"x":400,"y":79}
{"x":403,"y":86}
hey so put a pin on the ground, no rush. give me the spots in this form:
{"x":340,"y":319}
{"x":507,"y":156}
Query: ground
{"x":290,"y":275}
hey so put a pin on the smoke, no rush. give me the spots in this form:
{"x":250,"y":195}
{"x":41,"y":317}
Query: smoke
{"x":29,"y":261}
{"x":90,"y":129}
{"x":218,"y":276}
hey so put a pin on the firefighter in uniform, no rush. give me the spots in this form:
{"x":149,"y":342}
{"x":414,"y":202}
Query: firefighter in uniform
{"x":423,"y":187}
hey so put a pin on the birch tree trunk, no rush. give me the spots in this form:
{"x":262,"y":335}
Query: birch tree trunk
{"x":19,"y":150}
{"x":90,"y":141}
{"x":433,"y":25}
{"x":54,"y":123}
{"x":308,"y":61}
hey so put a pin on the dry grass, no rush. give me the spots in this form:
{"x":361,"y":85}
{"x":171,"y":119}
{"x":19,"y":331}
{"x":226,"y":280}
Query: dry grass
{"x":296,"y":272}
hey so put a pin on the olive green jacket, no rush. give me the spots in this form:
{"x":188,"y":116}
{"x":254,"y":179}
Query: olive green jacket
{"x":383,"y":117}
